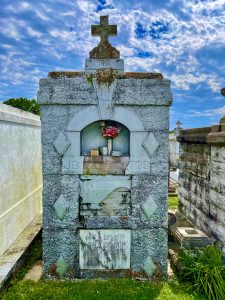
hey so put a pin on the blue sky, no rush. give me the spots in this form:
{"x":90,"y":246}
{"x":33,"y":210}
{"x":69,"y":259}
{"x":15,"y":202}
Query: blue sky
{"x":182,"y":39}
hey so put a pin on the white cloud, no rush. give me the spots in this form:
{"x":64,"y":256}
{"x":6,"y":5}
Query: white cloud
{"x":41,"y":15}
{"x":67,"y":32}
{"x":33,"y":33}
{"x":10,"y":28}
{"x":214,"y":82}
{"x":183,"y":81}
{"x":18,"y":7}
{"x":208,"y":112}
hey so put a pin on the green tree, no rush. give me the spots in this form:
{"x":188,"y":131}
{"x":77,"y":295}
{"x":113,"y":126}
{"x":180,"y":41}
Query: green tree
{"x":29,"y":105}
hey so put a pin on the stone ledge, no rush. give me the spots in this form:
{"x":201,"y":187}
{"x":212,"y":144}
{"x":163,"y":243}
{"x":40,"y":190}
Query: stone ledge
{"x":194,"y":136}
{"x":134,"y":75}
{"x":15,"y":256}
{"x":16,"y":115}
{"x":80,"y":90}
{"x":214,"y":135}
{"x":57,"y":74}
{"x":216,"y":138}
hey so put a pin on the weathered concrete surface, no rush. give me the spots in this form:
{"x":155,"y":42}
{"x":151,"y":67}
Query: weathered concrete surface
{"x":20,"y":172}
{"x":202,"y":177}
{"x":144,"y":112}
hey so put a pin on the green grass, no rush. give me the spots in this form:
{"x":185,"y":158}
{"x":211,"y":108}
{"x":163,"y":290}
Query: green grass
{"x":173,"y":202}
{"x":119,"y":289}
{"x":205,"y":270}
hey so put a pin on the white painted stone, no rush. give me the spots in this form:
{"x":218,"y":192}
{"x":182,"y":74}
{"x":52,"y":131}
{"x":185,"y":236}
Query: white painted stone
{"x":138,"y":166}
{"x":61,"y":143}
{"x":5,"y":269}
{"x":150,"y":144}
{"x":20,"y":172}
{"x":136,"y":149}
{"x":139,"y":158}
{"x":61,"y":266}
{"x":15,"y":115}
{"x":105,"y":249}
{"x":74,"y":140}
{"x":61,"y":207}
{"x":173,"y":150}
{"x":125,"y":116}
{"x":91,"y":65}
{"x":149,"y":207}
{"x":105,"y":93}
{"x":72,"y":164}
{"x":149,"y":267}
{"x":83,"y":118}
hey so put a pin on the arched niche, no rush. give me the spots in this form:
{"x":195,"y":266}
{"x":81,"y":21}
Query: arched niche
{"x":91,"y":138}
{"x":122,"y":115}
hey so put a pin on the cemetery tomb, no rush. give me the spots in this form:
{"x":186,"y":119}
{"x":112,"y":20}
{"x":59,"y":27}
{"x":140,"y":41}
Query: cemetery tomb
{"x":105,"y":168}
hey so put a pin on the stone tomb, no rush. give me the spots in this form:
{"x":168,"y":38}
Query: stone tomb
{"x":105,"y":198}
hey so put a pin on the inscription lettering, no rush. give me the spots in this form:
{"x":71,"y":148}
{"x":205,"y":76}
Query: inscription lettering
{"x":138,"y":166}
{"x":105,"y":249}
{"x":74,"y":165}
{"x":71,"y":165}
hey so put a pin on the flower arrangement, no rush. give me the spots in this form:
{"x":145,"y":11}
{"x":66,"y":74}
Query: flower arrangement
{"x":110,"y":130}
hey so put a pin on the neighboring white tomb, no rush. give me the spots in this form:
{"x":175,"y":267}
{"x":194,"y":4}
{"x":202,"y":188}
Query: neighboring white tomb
{"x":174,"y":147}
{"x":105,"y":168}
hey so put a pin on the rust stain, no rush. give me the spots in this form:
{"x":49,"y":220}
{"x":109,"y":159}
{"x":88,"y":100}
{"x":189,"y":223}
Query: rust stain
{"x":143,"y":75}
{"x":57,"y":74}
{"x":105,"y":76}
{"x":52,"y":270}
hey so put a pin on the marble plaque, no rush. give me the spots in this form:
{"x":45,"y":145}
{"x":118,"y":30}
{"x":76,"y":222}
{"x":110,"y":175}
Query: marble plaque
{"x":105,"y":249}
{"x":105,"y":196}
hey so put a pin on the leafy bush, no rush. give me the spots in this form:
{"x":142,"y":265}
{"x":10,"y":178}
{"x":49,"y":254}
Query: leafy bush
{"x":204,"y":268}
{"x":24,"y":104}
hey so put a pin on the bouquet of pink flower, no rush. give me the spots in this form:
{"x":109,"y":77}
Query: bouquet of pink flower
{"x":109,"y":131}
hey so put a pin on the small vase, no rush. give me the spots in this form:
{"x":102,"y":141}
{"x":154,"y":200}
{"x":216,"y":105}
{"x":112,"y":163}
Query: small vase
{"x":110,"y":141}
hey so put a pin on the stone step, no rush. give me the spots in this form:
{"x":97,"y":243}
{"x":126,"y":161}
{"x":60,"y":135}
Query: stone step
{"x":190,"y":237}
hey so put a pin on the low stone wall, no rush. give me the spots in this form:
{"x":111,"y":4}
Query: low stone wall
{"x":202,"y":178}
{"x":20,"y":172}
